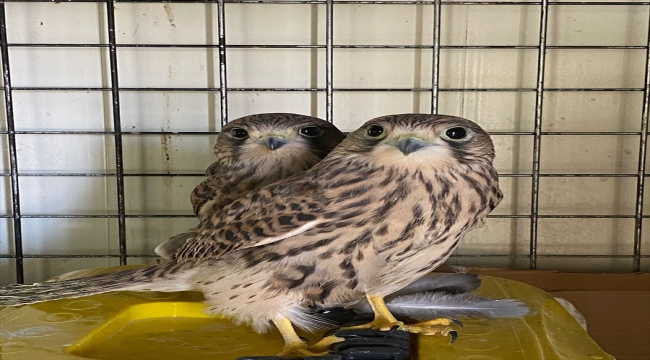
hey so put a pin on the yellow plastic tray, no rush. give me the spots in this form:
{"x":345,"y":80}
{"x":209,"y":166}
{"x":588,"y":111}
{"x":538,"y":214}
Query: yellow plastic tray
{"x":158,"y":326}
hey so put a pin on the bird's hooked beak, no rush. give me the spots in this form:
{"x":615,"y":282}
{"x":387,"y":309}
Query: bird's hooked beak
{"x":409,"y":145}
{"x":274,"y":143}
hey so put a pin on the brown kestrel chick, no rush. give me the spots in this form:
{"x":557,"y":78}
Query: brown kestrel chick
{"x":252,"y":152}
{"x":384,"y":208}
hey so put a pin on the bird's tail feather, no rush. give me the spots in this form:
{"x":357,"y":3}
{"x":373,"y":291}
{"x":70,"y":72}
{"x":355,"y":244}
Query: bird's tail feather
{"x":166,"y":277}
{"x":168,"y":248}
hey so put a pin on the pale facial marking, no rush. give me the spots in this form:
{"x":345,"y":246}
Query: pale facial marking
{"x":438,"y":155}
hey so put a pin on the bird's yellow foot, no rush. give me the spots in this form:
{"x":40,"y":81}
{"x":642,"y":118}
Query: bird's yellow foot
{"x":299,"y":350}
{"x":441,"y":326}
{"x":324,"y":344}
{"x":379,"y":323}
{"x":294,"y":346}
{"x":383,"y":320}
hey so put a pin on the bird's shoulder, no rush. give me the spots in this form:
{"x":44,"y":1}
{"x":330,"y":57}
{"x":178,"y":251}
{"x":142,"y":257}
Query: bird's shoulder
{"x":209,"y":189}
{"x":216,"y":168}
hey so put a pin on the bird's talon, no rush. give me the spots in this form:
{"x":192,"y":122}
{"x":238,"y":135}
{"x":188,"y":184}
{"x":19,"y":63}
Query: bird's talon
{"x":454,"y":335}
{"x":454,"y":321}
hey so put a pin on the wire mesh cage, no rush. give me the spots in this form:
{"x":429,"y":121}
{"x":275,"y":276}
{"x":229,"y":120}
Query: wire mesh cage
{"x":111,"y":109}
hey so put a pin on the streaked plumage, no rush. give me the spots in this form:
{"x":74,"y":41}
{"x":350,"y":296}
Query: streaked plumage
{"x":385,"y":207}
{"x":252,"y":152}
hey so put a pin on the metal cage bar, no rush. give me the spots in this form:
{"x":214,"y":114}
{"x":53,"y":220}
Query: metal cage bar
{"x":435,"y":86}
{"x":117,"y":128}
{"x":262,"y":89}
{"x":537,"y":142}
{"x":287,"y":46}
{"x":329,"y":61}
{"x":223,"y":74}
{"x":643,"y":144}
{"x":13,"y":158}
{"x":504,"y":175}
{"x":114,"y":216}
{"x":371,"y":2}
{"x":190,"y":89}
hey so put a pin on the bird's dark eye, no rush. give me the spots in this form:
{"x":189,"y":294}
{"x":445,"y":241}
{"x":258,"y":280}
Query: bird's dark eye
{"x":456,"y":133}
{"x":239,"y":133}
{"x":375,"y":130}
{"x":310,"y":131}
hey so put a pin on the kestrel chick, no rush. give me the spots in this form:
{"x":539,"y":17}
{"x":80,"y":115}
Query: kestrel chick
{"x":254,"y":151}
{"x":384,"y":208}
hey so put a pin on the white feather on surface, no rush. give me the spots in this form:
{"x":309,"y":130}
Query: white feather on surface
{"x":430,"y":305}
{"x":454,"y":283}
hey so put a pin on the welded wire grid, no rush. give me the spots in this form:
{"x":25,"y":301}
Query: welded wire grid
{"x":16,"y":218}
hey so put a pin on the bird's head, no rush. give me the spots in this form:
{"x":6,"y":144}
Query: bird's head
{"x":276,"y":140}
{"x":412,"y":139}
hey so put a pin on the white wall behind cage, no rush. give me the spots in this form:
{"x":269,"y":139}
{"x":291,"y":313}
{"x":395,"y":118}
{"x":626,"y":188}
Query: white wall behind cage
{"x":595,"y":102}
